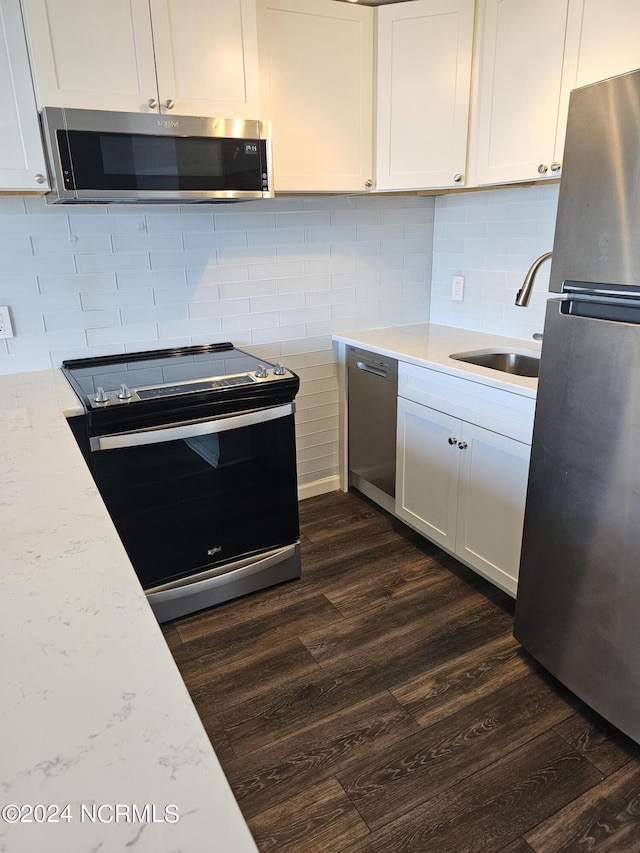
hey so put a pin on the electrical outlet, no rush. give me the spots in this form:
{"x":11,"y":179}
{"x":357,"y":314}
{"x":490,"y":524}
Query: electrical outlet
{"x":6,"y":329}
{"x":457,"y":287}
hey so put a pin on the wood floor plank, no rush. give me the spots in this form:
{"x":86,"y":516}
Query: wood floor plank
{"x":493,"y":807}
{"x":245,"y":638}
{"x":171,"y":636}
{"x":606,"y":819}
{"x":443,"y":690}
{"x":300,"y":704}
{"x":399,"y":569}
{"x":268,"y":776}
{"x":427,"y":610}
{"x":517,"y":846}
{"x":604,"y":745}
{"x":316,"y":820}
{"x":228,"y":683}
{"x":393,"y":781}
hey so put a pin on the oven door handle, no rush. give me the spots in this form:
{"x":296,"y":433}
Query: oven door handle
{"x":175,"y":433}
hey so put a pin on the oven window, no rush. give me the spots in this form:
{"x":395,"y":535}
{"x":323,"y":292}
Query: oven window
{"x":186,"y":505}
{"x":128,"y":161}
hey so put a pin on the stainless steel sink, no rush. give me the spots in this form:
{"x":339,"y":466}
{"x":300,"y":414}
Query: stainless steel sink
{"x":521,"y":363}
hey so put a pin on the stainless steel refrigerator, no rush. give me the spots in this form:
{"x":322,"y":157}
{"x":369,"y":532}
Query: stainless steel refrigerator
{"x":578,"y":604}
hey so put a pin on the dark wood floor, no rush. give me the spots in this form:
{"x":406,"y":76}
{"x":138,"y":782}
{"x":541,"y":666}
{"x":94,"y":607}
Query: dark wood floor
{"x":381,"y":704}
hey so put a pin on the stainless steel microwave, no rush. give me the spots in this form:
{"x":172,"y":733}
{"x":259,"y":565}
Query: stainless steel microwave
{"x":98,"y":156}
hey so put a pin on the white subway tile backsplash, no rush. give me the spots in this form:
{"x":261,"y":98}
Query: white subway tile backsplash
{"x":94,"y":300}
{"x":277,"y":302}
{"x":303,"y":251}
{"x":278,"y":277}
{"x":27,"y":265}
{"x":157,"y":314}
{"x":239,"y":323}
{"x":214,"y":239}
{"x":94,"y":223}
{"x":275,"y":237}
{"x":122,"y":334}
{"x":145,"y":242}
{"x":305,"y":315}
{"x":220,"y":308}
{"x":303,"y":219}
{"x":20,"y":224}
{"x":76,"y":283}
{"x":246,"y":255}
{"x":156,"y":279}
{"x":491,"y":238}
{"x":189,"y":328}
{"x":62,"y":321}
{"x":284,"y":269}
{"x":104,"y":263}
{"x":244,"y":221}
{"x":304,"y":284}
{"x":160,"y":222}
{"x":242,"y":289}
{"x":17,"y":286}
{"x":280,"y":333}
{"x":16,"y":245}
{"x":339,"y":234}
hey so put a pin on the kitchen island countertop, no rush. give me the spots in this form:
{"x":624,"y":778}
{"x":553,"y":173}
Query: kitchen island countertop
{"x":430,"y":345}
{"x":97,"y":724}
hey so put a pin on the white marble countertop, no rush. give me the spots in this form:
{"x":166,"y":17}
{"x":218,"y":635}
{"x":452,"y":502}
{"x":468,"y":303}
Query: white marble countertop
{"x":93,"y":710}
{"x":430,"y":345}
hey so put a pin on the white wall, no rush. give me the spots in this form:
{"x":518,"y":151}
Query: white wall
{"x":278,"y":277}
{"x":491,"y":238}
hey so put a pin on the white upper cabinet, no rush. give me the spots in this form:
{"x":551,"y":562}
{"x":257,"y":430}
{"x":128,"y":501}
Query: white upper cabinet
{"x":192,"y":57}
{"x":424,"y":50}
{"x":316,"y":73}
{"x":518,"y":87}
{"x":529,"y":58}
{"x":609,"y":42}
{"x":22,"y":165}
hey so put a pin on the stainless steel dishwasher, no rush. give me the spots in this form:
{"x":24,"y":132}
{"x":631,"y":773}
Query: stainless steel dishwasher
{"x":372,"y":394}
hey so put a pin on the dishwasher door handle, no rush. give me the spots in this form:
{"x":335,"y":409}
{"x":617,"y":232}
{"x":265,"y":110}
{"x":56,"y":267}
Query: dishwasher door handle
{"x":369,"y":368}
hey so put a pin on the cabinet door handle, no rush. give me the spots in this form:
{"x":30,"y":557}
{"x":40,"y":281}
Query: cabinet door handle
{"x":542,"y":169}
{"x":152,"y":103}
{"x":462,"y":445}
{"x":457,"y":178}
{"x":452,"y":440}
{"x":169,"y":104}
{"x":555,"y":167}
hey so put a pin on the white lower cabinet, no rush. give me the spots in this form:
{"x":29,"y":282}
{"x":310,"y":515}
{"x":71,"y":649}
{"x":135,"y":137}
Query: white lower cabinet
{"x":463,"y":485}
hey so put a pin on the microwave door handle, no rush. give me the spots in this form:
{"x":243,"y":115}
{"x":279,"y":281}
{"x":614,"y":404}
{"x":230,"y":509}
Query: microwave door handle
{"x":175,"y":433}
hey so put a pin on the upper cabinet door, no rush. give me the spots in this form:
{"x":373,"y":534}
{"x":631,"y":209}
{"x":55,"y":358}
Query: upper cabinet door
{"x":602,"y":41}
{"x":520,"y":66}
{"x":424,"y":81}
{"x":92,"y":54}
{"x":609,"y":42}
{"x":22,"y":164}
{"x":207,"y":57}
{"x":316,"y":64}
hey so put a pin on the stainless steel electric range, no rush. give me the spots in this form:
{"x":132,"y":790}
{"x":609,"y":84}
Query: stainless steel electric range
{"x":193,"y":452}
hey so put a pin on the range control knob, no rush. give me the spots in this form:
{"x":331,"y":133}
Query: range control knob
{"x":124,"y":393}
{"x":100,"y":397}
{"x":262,"y":372}
{"x":278,"y":369}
